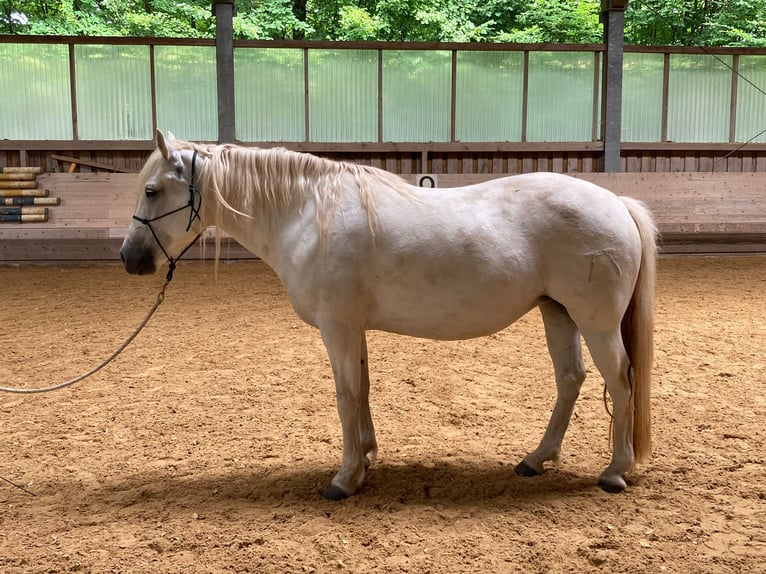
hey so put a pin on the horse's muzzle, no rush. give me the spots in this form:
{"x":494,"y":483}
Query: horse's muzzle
{"x":143,"y":264}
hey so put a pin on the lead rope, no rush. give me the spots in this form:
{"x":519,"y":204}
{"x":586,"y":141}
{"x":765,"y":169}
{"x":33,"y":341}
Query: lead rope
{"x":160,"y":298}
{"x":105,"y":362}
{"x":194,"y":214}
{"x":157,"y":303}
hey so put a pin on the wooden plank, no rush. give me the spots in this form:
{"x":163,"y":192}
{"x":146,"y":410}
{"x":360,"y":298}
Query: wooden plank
{"x":527,"y":164}
{"x":60,"y":250}
{"x":706,"y":163}
{"x":647,"y":162}
{"x":590,"y":164}
{"x":452,"y":164}
{"x":89,"y":163}
{"x":36,"y":233}
{"x":498,"y":163}
{"x":633,"y":163}
{"x":662,"y":164}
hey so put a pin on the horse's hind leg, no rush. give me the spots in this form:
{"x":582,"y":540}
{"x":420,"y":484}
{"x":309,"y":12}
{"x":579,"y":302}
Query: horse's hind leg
{"x":563,"y":339}
{"x":608,"y":352}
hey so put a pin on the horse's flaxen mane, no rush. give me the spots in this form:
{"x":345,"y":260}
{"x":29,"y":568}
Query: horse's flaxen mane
{"x":255,"y":182}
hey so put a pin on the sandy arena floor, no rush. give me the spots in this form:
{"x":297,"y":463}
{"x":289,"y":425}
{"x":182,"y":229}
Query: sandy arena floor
{"x":204,"y":447}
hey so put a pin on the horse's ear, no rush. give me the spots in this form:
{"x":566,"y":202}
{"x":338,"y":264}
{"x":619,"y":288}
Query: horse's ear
{"x":166,"y":148}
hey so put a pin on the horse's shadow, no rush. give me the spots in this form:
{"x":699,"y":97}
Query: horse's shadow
{"x":448,"y":484}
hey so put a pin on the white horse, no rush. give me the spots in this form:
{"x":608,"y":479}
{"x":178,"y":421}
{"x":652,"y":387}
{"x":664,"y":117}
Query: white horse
{"x":357,"y":249}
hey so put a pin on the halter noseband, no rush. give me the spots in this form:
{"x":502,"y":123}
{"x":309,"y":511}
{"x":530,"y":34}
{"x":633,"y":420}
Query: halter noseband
{"x":194,"y":204}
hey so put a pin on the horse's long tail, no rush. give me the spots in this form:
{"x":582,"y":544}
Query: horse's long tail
{"x":638,"y":329}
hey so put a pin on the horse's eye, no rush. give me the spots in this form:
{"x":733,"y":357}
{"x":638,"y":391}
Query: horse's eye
{"x":150,"y":192}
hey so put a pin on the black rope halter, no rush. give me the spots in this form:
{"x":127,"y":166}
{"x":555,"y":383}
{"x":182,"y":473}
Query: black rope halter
{"x":194,"y":204}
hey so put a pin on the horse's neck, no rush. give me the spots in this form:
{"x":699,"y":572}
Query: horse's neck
{"x":270,"y":233}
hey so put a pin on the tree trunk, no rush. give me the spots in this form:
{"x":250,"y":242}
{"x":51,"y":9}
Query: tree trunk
{"x":299,"y":10}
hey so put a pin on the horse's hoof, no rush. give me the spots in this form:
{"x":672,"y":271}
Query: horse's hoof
{"x":612,"y":485}
{"x":524,"y":469}
{"x":333,"y":492}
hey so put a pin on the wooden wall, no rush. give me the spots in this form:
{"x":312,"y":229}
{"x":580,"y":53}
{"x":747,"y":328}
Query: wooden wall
{"x":695,"y":212}
{"x":436,"y":158}
{"x":89,"y":224}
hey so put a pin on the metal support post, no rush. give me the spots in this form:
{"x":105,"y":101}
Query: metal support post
{"x":224,"y":11}
{"x":613,"y":18}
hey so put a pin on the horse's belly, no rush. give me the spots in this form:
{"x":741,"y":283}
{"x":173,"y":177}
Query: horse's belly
{"x":449,"y":312}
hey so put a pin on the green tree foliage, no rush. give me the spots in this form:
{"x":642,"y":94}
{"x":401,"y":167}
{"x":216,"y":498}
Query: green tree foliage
{"x":661,"y":22}
{"x":109,"y":18}
{"x":697,"y":23}
{"x":268,"y":20}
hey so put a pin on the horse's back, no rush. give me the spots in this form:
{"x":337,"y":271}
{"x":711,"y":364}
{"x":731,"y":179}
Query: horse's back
{"x":526,"y":220}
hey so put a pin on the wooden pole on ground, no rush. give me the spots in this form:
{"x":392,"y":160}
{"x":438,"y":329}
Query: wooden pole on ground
{"x":22,"y":170}
{"x":23,"y":218}
{"x":18,"y":176}
{"x":4,"y":184}
{"x":24,"y":210}
{"x":23,"y":192}
{"x":30,"y":201}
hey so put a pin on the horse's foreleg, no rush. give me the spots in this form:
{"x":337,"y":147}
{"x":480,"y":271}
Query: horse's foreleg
{"x":563,"y":339}
{"x":345,"y":351}
{"x":610,"y":357}
{"x":366,"y":428}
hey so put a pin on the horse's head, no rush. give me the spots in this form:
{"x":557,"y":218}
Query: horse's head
{"x":167,"y":219}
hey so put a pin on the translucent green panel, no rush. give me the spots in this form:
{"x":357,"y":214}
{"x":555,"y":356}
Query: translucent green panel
{"x":751,"y":102}
{"x":642,"y":97}
{"x":417,"y":87}
{"x":113,"y":92}
{"x":36,"y":101}
{"x":343,"y":95}
{"x":269,"y":94}
{"x":699,"y":98}
{"x":488,"y":98}
{"x":187,"y":97}
{"x":560,"y":102}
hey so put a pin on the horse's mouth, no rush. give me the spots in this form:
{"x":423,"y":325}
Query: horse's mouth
{"x":143,"y":265}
